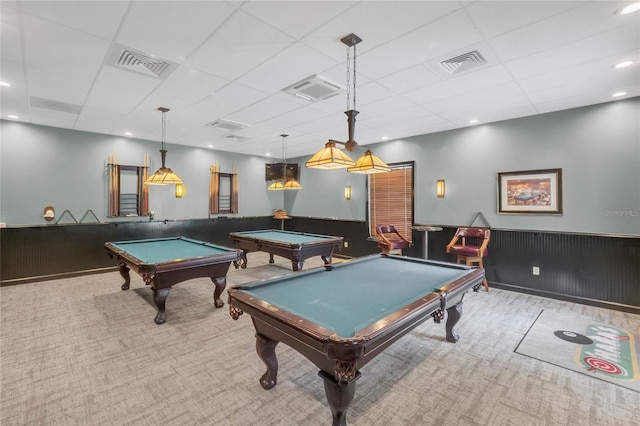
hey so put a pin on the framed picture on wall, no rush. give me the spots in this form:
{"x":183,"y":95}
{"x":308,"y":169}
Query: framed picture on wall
{"x":530,"y":192}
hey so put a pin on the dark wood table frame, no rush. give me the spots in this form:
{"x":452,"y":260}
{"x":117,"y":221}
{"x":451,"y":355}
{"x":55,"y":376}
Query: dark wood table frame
{"x":162,"y":276}
{"x":340,"y":359}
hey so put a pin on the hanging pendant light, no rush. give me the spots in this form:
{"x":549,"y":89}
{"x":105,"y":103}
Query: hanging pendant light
{"x":331,"y":157}
{"x":164,"y":175}
{"x":284,"y":183}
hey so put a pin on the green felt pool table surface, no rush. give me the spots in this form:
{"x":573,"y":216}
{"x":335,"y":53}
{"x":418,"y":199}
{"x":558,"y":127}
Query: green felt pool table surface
{"x":379,"y":287}
{"x":169,"y":249}
{"x":287,"y":237}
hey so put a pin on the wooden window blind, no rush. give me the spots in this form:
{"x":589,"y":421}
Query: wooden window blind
{"x":391,"y":199}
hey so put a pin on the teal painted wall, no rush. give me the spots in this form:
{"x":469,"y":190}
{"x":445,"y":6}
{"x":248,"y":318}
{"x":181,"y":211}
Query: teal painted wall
{"x":597,"y":148}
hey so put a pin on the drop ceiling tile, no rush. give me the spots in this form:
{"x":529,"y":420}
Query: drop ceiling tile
{"x":127,"y":80}
{"x":114,"y":99}
{"x":457,"y":85}
{"x":171,"y":29}
{"x":573,"y":25}
{"x":376,"y":23}
{"x":63,"y":50}
{"x":13,"y":101}
{"x":101,"y":120}
{"x":410,"y":79}
{"x":615,"y":42}
{"x":499,"y":17}
{"x":55,"y":86}
{"x":48,"y":117}
{"x":100,"y":19}
{"x":190,"y":85}
{"x":445,"y":35}
{"x":10,"y":42}
{"x":583,"y":72}
{"x":230,"y":99}
{"x":265,"y":109}
{"x":12,"y":72}
{"x":286,"y":68}
{"x":242,"y":43}
{"x":299,"y":18}
{"x":478,"y":99}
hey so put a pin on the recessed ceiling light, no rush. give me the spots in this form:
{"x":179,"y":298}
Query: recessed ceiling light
{"x":210,"y":146}
{"x":623,"y":64}
{"x":15,"y":117}
{"x":474,"y":121}
{"x":617,"y":95}
{"x":2,"y":83}
{"x":128,"y":133}
{"x":384,"y":138}
{"x":268,"y":154}
{"x":630,"y":9}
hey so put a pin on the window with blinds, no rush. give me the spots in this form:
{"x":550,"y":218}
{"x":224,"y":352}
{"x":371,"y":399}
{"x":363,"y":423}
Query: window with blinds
{"x":391,"y":198}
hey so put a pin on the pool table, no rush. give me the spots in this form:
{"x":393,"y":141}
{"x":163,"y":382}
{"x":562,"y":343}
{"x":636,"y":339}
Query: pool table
{"x":343,"y":317}
{"x":163,"y":262}
{"x":295,"y":246}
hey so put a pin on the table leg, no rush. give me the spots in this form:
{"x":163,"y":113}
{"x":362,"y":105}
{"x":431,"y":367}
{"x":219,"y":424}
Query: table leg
{"x":242,"y":263}
{"x":271,"y":258}
{"x":266,"y":349}
{"x":453,"y":316}
{"x":159,"y":298}
{"x":124,"y":273}
{"x":297,"y":266}
{"x":220,"y":283}
{"x":339,"y":395}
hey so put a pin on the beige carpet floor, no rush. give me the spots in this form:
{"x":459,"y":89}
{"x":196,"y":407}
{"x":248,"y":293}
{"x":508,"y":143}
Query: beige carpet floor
{"x":80,"y":351}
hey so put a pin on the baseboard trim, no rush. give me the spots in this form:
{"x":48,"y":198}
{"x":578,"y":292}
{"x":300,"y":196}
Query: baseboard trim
{"x":25,"y":280}
{"x":568,"y":298}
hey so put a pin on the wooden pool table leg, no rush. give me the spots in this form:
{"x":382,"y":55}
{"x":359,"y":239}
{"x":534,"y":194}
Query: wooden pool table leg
{"x":339,"y":395}
{"x":266,"y":349}
{"x":124,"y":273}
{"x":453,"y":316}
{"x":220,"y":283}
{"x":242,"y":262}
{"x":159,"y":298}
{"x":297,"y":265}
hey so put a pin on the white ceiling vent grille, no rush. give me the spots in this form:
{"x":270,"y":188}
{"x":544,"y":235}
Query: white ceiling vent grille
{"x":464,"y":62}
{"x":137,"y":61}
{"x":54,"y":105}
{"x":314,"y":88}
{"x":228,"y":125}
{"x":234,"y":138}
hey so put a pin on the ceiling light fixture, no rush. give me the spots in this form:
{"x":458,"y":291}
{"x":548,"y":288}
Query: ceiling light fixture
{"x":634,"y":7}
{"x":285,"y":183}
{"x":164,"y":175}
{"x":624,"y":64}
{"x":332,"y":157}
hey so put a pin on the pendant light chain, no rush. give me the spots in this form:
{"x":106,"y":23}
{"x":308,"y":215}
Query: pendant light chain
{"x":164,"y":127}
{"x":351,"y":83}
{"x":354,"y":77}
{"x":348,"y":79}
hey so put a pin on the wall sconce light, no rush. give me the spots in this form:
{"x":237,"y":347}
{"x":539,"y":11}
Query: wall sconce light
{"x":440,"y":188}
{"x":181,"y":190}
{"x":347,"y":192}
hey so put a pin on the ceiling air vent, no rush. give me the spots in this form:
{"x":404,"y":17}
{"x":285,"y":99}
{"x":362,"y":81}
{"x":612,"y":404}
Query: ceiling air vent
{"x":314,"y":88}
{"x":137,"y":61}
{"x":54,"y":105}
{"x":228,"y":125}
{"x":464,"y":62}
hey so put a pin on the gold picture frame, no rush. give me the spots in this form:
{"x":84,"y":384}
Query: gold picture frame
{"x":530,"y":192}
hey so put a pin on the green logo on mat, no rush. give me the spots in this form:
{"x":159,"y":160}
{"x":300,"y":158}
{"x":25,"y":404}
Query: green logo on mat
{"x":612,"y":353}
